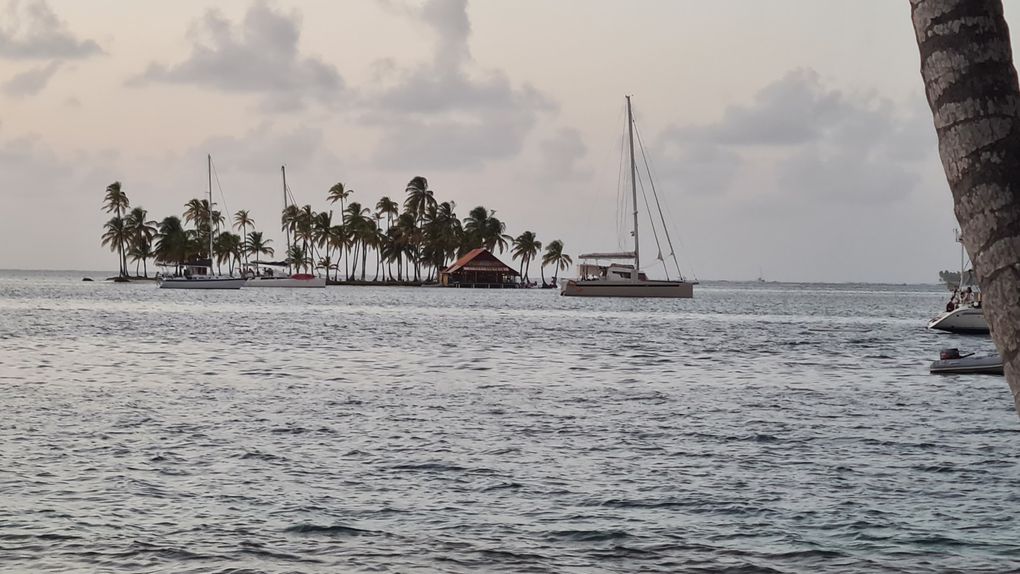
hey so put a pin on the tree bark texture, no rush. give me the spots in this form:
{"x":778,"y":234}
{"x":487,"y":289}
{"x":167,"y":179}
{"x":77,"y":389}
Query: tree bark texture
{"x":971,"y":85}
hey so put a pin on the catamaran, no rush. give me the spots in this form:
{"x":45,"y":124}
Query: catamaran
{"x":615,"y":279}
{"x":198,"y":274}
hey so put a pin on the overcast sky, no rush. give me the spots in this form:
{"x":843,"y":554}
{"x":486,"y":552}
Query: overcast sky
{"x":790,"y":137}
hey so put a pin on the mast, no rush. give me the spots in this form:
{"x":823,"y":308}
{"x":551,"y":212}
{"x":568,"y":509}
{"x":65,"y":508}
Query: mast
{"x":959,"y":239}
{"x":283,"y":171}
{"x":209,"y":169}
{"x":633,"y":188}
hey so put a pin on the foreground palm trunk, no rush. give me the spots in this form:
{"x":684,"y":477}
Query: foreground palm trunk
{"x":971,"y":84}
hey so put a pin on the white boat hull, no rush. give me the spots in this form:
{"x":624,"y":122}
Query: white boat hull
{"x":286,"y":282}
{"x":963,"y":320}
{"x":602,"y":288}
{"x":201,"y":283}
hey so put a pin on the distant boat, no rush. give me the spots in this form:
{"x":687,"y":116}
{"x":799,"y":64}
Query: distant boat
{"x":622,"y":279}
{"x":962,"y":316}
{"x":198,"y":274}
{"x":283,"y":280}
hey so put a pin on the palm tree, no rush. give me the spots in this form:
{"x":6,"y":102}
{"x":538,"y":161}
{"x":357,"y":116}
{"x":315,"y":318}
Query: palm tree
{"x":356,"y":221}
{"x":199,"y":212}
{"x":242,"y":219}
{"x":141,"y":251}
{"x":174,"y":244}
{"x":338,"y":239}
{"x":407,"y":236}
{"x":257,"y":245}
{"x":443,"y":235}
{"x":297,"y":257}
{"x":391,"y":209}
{"x":526,"y":247}
{"x":419,"y":199}
{"x":388,"y":208}
{"x":325,"y":263}
{"x":554,"y":256}
{"x":142,"y":232}
{"x":483,"y":229}
{"x":116,"y":201}
{"x":971,"y":84}
{"x":117,"y":235}
{"x":340,"y":192}
{"x":419,"y":196}
{"x":288,"y":221}
{"x":321,"y":224}
{"x":304,"y":232}
{"x":228,"y":247}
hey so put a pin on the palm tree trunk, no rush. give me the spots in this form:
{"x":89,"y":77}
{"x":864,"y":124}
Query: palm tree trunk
{"x":145,"y":266}
{"x":354,"y":268}
{"x":971,"y":84}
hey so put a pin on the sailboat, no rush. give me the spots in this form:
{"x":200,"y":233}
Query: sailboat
{"x":962,"y":316}
{"x":267,"y":276}
{"x":198,"y":274}
{"x":623,"y":279}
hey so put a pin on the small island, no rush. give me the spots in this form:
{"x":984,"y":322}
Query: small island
{"x":389,"y":243}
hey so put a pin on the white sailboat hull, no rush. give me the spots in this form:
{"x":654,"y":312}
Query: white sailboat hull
{"x":201,"y":283}
{"x":963,"y":320}
{"x":286,"y":282}
{"x":649,"y":288}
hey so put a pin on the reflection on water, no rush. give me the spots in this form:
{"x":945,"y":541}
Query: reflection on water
{"x":783,"y":427}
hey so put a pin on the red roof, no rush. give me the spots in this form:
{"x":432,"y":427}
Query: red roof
{"x":481,"y":259}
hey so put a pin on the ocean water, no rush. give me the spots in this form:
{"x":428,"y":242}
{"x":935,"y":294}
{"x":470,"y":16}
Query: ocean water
{"x":756,"y":428}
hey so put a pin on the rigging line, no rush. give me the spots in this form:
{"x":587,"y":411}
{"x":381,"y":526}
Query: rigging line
{"x":216,"y":176}
{"x":651,"y":181}
{"x":651,"y":220}
{"x":621,"y":197}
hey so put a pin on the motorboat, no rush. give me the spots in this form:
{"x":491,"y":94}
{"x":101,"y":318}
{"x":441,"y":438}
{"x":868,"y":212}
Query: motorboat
{"x":952,"y":362}
{"x":624,"y":279}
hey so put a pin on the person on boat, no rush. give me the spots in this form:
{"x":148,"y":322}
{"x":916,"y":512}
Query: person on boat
{"x":967,"y":296}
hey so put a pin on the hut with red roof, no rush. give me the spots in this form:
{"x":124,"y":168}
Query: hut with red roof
{"x":479,"y":269}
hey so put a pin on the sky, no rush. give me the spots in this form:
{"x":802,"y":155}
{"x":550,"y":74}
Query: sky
{"x":788,"y":139}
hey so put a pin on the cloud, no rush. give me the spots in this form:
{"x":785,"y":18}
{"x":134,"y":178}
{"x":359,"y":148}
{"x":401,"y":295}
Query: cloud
{"x":264,"y":148}
{"x":29,"y":168}
{"x":801,"y":140}
{"x":31,"y":82}
{"x":700,"y":169}
{"x":561,"y":156}
{"x":446,"y":113}
{"x":259,"y":56}
{"x":792,"y":110}
{"x":37,"y":33}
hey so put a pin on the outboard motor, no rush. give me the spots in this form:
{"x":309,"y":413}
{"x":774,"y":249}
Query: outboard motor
{"x":949,"y":354}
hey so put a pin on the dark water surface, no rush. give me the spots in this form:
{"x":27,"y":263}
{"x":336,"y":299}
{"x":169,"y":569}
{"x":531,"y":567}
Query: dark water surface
{"x":757,"y":428}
